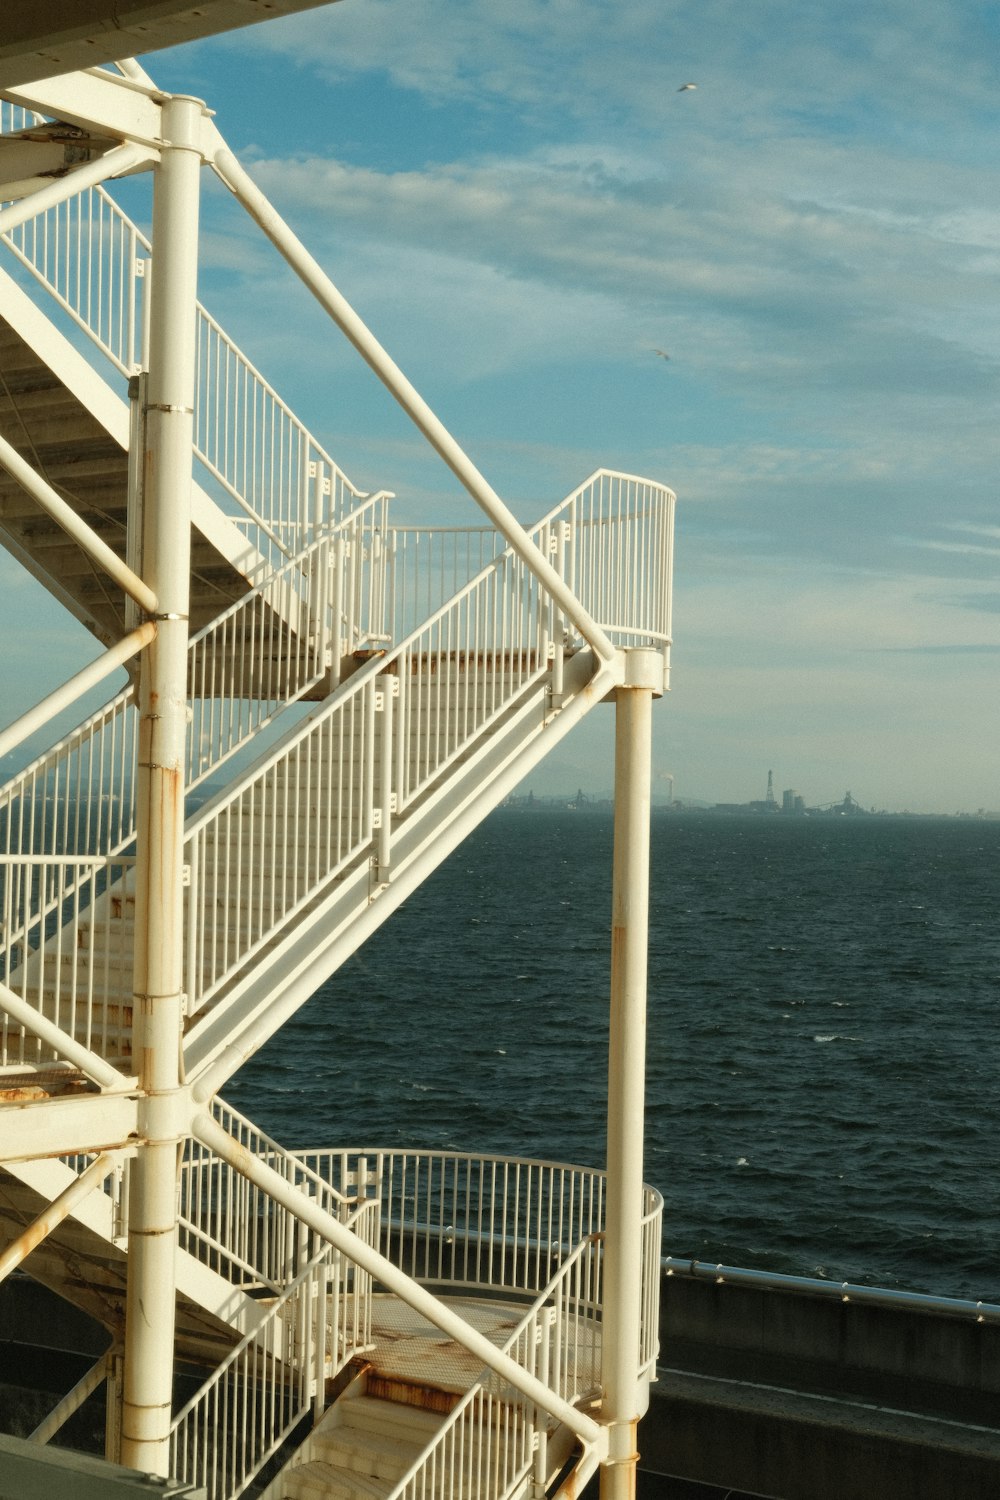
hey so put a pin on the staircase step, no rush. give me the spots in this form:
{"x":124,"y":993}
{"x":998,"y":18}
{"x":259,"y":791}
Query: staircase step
{"x":321,"y":1481}
{"x":374,"y":1414}
{"x":366,"y":1450}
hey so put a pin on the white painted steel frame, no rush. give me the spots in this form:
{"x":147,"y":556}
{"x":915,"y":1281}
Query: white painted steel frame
{"x":205,"y":1129}
{"x":624,"y":1394}
{"x":323,"y":289}
{"x":276,"y":1375}
{"x":593,"y":575}
{"x":158,"y":952}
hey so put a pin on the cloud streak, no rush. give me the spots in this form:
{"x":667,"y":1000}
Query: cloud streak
{"x":523,"y":207}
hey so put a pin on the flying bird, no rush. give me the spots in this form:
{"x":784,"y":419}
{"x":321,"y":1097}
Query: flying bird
{"x":685,"y":86}
{"x":662,"y":353}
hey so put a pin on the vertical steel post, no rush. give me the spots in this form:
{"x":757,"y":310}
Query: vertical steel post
{"x":159,"y":968}
{"x":622,"y":1311}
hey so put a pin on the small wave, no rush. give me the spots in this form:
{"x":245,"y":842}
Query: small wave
{"x":830,"y":1037}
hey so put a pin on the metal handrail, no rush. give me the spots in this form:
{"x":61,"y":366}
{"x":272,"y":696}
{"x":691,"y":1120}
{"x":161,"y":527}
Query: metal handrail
{"x":548,"y":1334}
{"x":453,"y":676}
{"x":838,"y":1291}
{"x":254,"y":1400}
{"x":94,"y":262}
{"x":227,"y":1223}
{"x":68,"y":819}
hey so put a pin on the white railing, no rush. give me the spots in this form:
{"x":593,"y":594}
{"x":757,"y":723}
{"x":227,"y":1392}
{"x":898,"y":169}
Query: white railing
{"x":491,"y":1223}
{"x":259,"y":852}
{"x":64,"y":822}
{"x":231,"y":1225}
{"x":275,"y":1377}
{"x":429,"y":564}
{"x":333,"y":794}
{"x":94,"y":261}
{"x":96,"y":264}
{"x":67,"y":822}
{"x":66,"y":969}
{"x":612,"y":539}
{"x":494,"y":1441}
{"x":289,"y":634}
{"x":256,"y":447}
{"x":14,"y":117}
{"x":461,"y":1221}
{"x":484,"y":1222}
{"x":652,"y":1251}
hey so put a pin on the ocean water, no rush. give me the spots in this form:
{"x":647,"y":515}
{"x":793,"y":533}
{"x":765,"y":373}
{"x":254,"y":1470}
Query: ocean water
{"x":822,"y":1094}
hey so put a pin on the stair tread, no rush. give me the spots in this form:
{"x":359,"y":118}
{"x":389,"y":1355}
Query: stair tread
{"x":387,"y":1452}
{"x":374,"y":1413}
{"x":318,"y":1478}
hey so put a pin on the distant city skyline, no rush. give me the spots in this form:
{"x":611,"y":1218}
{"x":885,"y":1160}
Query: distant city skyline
{"x":530,"y":211}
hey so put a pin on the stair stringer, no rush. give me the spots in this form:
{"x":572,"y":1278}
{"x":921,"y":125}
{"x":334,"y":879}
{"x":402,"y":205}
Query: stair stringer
{"x":92,"y":392}
{"x":212,"y":1312}
{"x":290,"y":969}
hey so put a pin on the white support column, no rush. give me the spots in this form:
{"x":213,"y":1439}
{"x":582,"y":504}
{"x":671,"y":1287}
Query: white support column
{"x":623,"y":1403}
{"x":159,"y":971}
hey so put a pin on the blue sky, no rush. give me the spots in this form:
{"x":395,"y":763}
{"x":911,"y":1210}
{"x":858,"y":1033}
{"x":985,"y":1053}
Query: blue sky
{"x":523,"y":207}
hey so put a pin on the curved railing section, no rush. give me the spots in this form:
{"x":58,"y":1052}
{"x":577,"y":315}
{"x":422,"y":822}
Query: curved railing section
{"x":612,"y":539}
{"x":488,"y":1223}
{"x":336,"y":792}
{"x":96,"y":264}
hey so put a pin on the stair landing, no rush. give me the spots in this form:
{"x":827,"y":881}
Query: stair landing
{"x":411,"y":1352}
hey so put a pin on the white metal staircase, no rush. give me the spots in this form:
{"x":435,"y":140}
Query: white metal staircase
{"x":438,"y":667}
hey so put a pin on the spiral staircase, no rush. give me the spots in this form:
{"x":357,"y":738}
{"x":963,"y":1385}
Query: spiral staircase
{"x":358,"y":698}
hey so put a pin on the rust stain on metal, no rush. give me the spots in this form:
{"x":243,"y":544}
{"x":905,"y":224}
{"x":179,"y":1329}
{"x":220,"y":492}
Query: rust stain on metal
{"x":33,"y":1236}
{"x":412,"y":1393}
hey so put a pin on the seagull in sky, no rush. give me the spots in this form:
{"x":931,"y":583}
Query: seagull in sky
{"x":685,"y":86}
{"x":662,"y":353}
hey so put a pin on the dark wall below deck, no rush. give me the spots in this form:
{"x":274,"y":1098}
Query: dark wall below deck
{"x":787,"y":1394}
{"x":774,"y":1393}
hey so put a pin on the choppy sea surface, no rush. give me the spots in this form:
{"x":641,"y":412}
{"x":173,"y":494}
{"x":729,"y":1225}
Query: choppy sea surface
{"x":823,"y":1057}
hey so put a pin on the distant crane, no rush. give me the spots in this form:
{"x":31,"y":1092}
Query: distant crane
{"x":847,"y":804}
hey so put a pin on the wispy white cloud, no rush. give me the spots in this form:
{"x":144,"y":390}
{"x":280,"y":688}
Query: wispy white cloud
{"x":812,"y":236}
